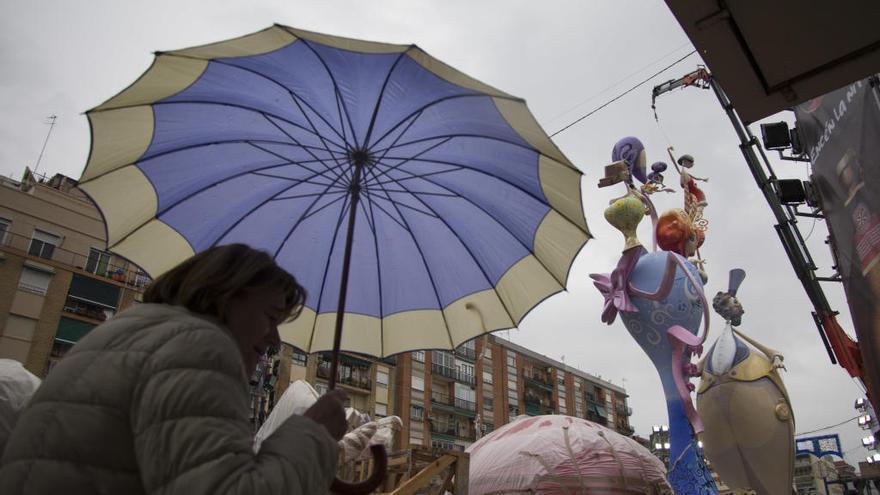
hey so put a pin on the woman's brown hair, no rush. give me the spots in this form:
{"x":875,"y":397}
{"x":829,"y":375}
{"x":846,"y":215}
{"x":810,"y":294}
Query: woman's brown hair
{"x":206,"y":282}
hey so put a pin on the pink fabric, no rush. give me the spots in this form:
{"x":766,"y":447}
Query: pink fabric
{"x":613,"y":287}
{"x":530,"y":455}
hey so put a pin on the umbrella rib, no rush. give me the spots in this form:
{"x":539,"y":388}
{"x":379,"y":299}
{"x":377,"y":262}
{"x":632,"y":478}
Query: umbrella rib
{"x":521,"y":243}
{"x":300,"y":196}
{"x":389,"y":215}
{"x":226,"y":179}
{"x":379,"y":99}
{"x":194,"y":146}
{"x":398,"y":203}
{"x":327,"y":168}
{"x":291,"y":92}
{"x":465,"y":167}
{"x":265,"y":201}
{"x":297,"y":181}
{"x":371,"y":219}
{"x":345,"y":206}
{"x":335,"y":88}
{"x":418,"y":192}
{"x":468,"y":249}
{"x":242,"y":107}
{"x":391,"y":168}
{"x":298,"y":222}
{"x":462,"y":135}
{"x":326,"y":148}
{"x":427,"y":268}
{"x":437,"y":102}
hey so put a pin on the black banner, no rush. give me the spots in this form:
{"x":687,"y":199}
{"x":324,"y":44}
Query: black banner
{"x":841,"y":133}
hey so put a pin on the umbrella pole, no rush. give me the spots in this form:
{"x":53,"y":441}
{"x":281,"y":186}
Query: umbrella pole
{"x":355,"y":189}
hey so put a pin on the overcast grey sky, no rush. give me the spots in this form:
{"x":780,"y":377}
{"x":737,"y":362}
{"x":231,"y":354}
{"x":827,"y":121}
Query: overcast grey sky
{"x":564,"y":58}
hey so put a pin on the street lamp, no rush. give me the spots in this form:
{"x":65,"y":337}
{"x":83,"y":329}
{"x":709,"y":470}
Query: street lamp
{"x":866,"y":421}
{"x":868,"y":442}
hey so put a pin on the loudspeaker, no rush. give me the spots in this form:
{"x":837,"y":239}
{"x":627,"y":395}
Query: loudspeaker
{"x":775,"y":136}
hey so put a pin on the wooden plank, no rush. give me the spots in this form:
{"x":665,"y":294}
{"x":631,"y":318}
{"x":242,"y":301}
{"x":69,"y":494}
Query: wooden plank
{"x":423,"y":478}
{"x":462,"y":472}
{"x":447,"y":483}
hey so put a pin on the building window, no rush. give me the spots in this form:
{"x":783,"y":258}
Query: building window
{"x":511,"y":359}
{"x":513,"y":410}
{"x":419,"y":356}
{"x":300,"y":358}
{"x":36,"y":281}
{"x":381,"y":410}
{"x":417,"y":412}
{"x":418,"y":383}
{"x":43,"y":244}
{"x":382,"y":378}
{"x":321,"y":388}
{"x":488,"y":428}
{"x":98,"y":262}
{"x":487,"y":403}
{"x":4,"y":228}
{"x":487,"y":377}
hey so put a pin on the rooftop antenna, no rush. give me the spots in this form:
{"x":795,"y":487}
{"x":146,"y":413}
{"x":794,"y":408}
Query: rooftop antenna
{"x":51,"y":126}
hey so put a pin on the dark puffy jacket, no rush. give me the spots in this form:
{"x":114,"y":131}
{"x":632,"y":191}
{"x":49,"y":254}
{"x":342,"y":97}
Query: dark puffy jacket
{"x":156,"y":401}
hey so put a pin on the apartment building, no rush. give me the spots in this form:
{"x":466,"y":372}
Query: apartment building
{"x":56,"y":280}
{"x":486,"y":383}
{"x":450,"y":399}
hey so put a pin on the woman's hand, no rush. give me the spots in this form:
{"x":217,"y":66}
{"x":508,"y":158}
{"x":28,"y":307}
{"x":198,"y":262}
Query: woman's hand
{"x":329,"y":412}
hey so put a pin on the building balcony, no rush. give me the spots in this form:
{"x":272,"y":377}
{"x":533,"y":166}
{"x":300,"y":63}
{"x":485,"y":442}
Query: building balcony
{"x":452,"y":430}
{"x":537,"y":406}
{"x":87,"y":309}
{"x":624,"y":410}
{"x":452,"y":374}
{"x":538,"y":378}
{"x":96,"y":263}
{"x":348,"y":373}
{"x":458,"y":405}
{"x":466,"y":352}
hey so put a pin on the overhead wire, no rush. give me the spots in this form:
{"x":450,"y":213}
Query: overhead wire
{"x":826,"y":427}
{"x":628,"y":91}
{"x":616,"y":84}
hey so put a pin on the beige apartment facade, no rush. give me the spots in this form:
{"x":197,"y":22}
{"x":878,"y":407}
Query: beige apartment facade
{"x":56,"y":280}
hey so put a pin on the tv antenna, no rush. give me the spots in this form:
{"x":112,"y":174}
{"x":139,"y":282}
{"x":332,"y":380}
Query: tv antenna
{"x":51,"y":123}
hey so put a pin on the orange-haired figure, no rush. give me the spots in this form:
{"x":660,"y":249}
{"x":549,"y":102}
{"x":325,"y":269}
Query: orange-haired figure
{"x":675,"y":232}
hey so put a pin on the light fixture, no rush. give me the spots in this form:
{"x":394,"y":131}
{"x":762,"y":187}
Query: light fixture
{"x":776,"y":136}
{"x":868,"y":442}
{"x":865,"y":421}
{"x":664,"y":428}
{"x":666,"y":446}
{"x":656,"y":429}
{"x":861,"y":404}
{"x":658,"y":446}
{"x":700,"y":444}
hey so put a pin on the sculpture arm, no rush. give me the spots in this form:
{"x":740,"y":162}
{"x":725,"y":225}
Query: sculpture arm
{"x":775,"y":356}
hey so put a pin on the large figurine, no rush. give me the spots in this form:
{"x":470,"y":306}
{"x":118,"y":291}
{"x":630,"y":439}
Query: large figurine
{"x":749,"y":435}
{"x":660,"y":298}
{"x":694,"y":196}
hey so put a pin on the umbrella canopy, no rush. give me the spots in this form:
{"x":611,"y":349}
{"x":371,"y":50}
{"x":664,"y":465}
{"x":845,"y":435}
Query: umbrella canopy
{"x":468,"y":215}
{"x":548,"y":455}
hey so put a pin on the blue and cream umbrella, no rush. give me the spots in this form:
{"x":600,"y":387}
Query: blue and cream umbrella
{"x":437,"y":201}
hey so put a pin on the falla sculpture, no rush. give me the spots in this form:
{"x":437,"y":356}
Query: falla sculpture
{"x":749,"y":437}
{"x":659,"y":296}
